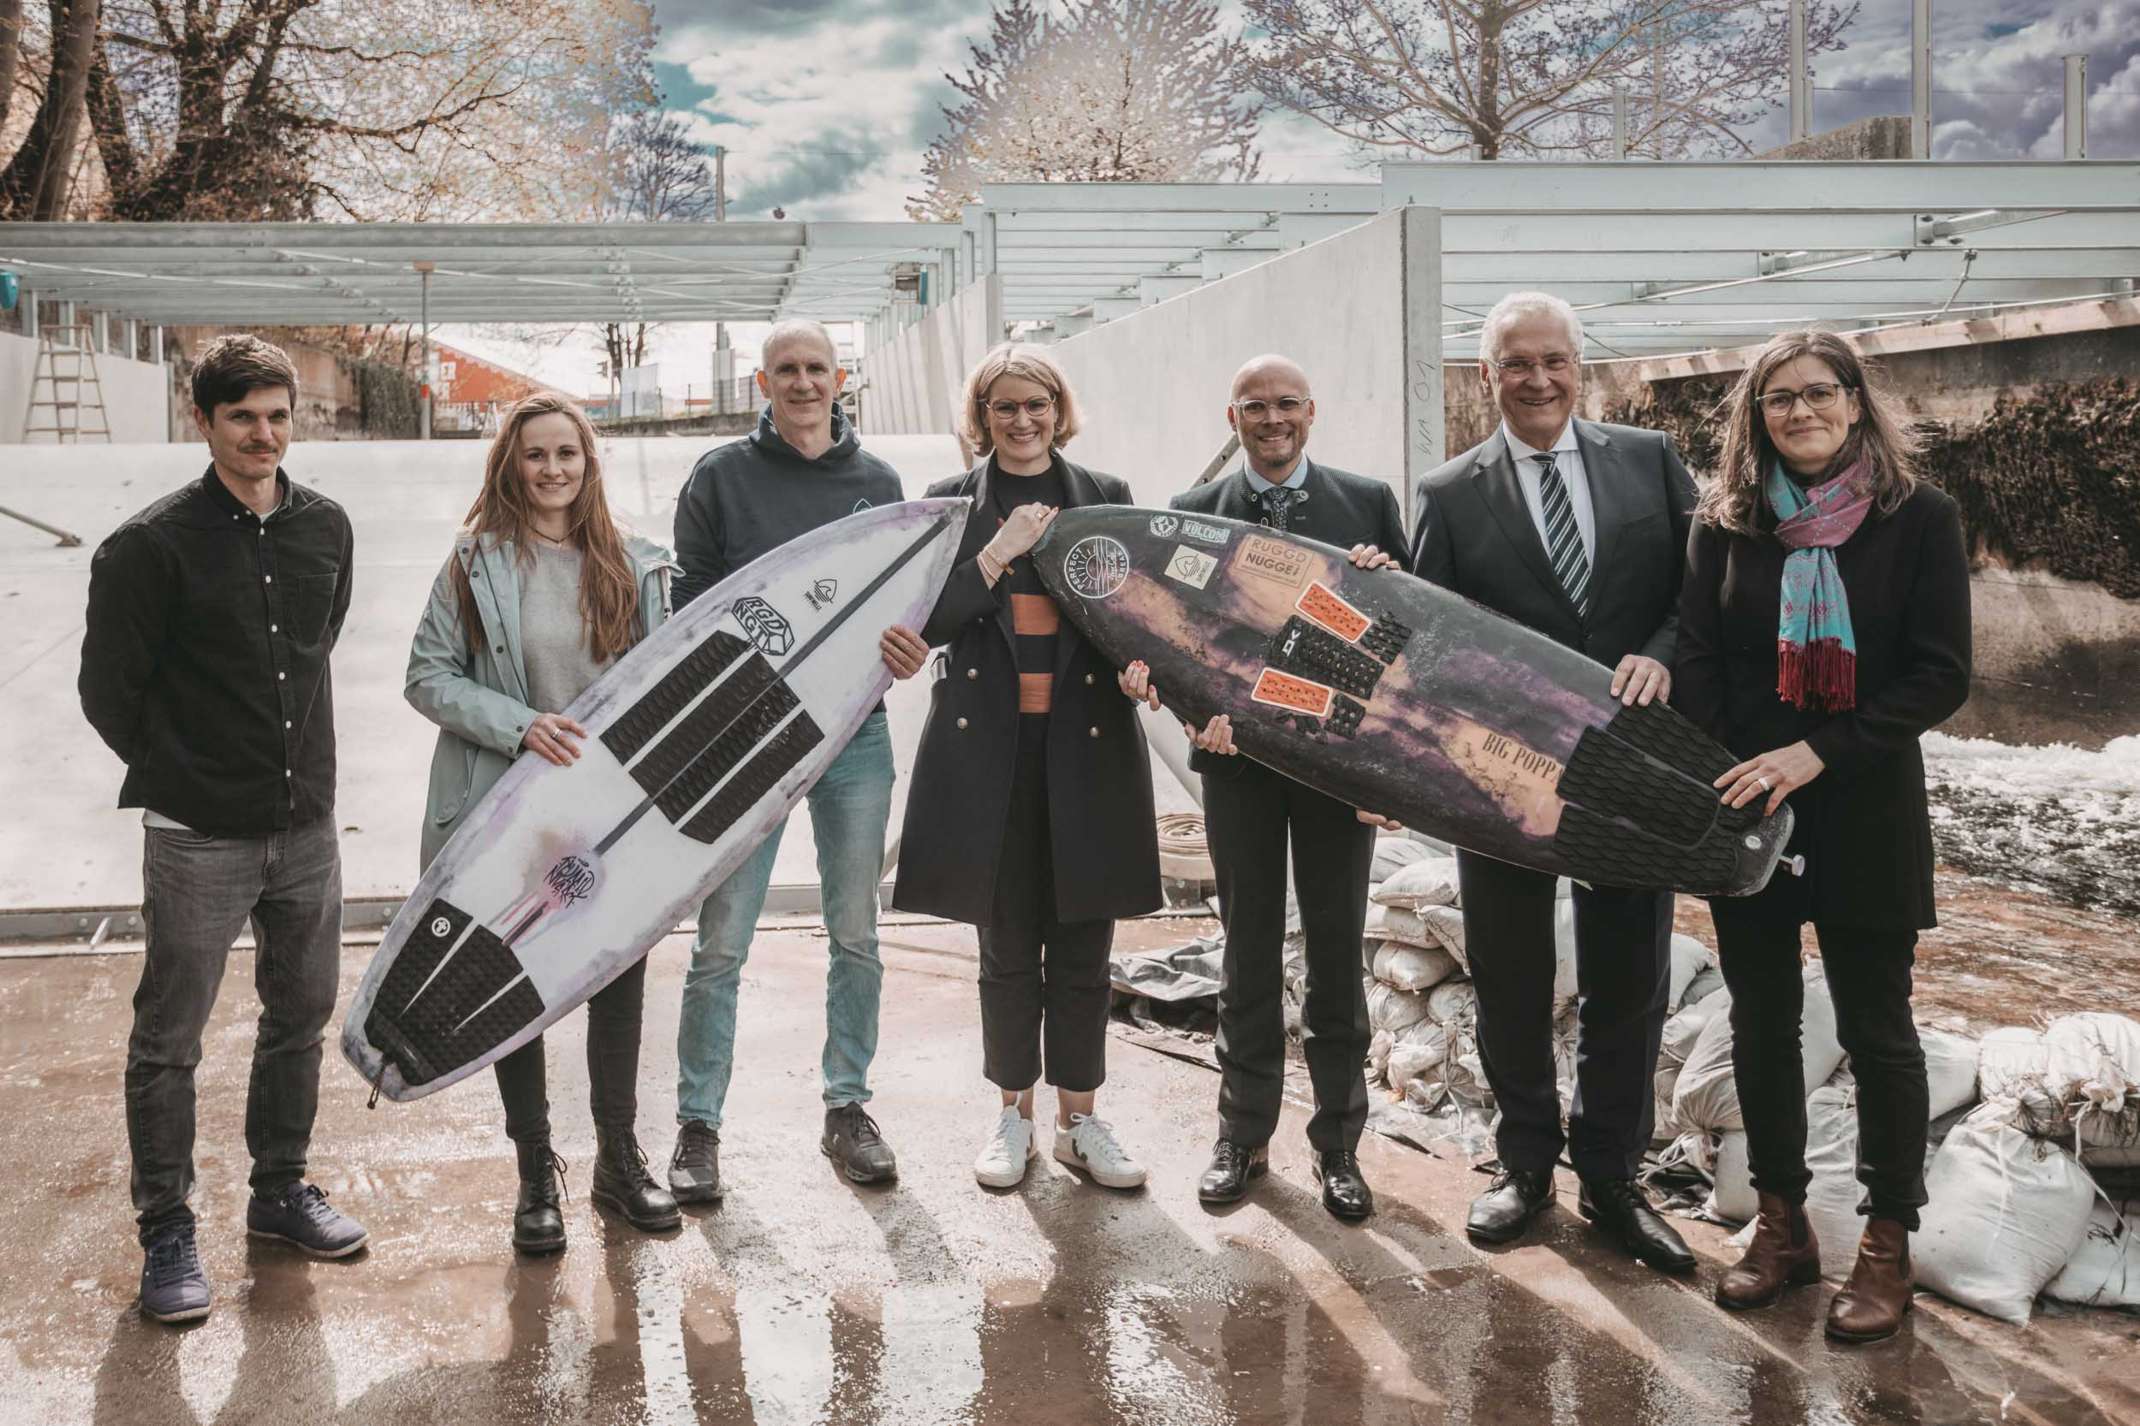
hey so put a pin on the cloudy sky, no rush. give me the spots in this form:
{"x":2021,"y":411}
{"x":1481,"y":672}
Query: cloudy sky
{"x":825,"y":106}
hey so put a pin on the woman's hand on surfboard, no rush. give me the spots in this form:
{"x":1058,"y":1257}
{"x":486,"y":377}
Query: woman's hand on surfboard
{"x":1217,"y":736}
{"x":1775,"y":775}
{"x":1639,"y":680}
{"x":904,"y":652}
{"x":555,"y":737}
{"x":1136,"y":683}
{"x":1022,"y":531}
{"x":1370,"y":557}
{"x":1376,"y":819}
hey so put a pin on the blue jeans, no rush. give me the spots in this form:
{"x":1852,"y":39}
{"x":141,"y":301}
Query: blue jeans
{"x":198,"y":891}
{"x":849,"y":807}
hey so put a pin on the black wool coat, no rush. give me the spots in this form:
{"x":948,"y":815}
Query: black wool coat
{"x":1862,"y":825}
{"x":1104,"y":840}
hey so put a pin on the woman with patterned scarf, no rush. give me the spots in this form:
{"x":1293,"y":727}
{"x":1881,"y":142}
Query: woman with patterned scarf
{"x":1823,"y":626}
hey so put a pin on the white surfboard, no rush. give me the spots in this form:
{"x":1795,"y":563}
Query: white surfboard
{"x":701,"y":739}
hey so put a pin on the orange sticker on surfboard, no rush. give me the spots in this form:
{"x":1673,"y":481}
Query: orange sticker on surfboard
{"x":1323,"y":606}
{"x":1295,"y":695}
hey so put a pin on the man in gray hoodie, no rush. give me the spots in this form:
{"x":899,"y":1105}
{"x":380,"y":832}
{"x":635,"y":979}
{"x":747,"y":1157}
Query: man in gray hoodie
{"x":801,"y":469}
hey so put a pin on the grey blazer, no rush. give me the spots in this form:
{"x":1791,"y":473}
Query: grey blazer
{"x":1476,"y":537}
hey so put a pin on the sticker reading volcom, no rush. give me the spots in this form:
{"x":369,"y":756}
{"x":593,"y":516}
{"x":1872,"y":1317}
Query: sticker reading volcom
{"x":1202,"y":533}
{"x":1096,"y":566}
{"x":1191,"y":567}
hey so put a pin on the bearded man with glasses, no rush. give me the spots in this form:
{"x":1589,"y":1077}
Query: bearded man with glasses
{"x":1251,"y":812}
{"x":1578,"y":530}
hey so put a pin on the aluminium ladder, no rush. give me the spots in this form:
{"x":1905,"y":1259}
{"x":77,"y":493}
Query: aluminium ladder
{"x":70,"y":370}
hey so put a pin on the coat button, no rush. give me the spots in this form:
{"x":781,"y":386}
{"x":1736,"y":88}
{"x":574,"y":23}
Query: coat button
{"x":1088,"y":680}
{"x":973,"y":673}
{"x":1094,"y":730}
{"x":962,"y":722}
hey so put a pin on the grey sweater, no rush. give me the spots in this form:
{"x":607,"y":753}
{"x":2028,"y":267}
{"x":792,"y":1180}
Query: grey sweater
{"x":750,"y":497}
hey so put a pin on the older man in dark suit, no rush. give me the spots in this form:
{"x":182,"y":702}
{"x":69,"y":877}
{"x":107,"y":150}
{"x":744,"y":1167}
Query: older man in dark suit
{"x":1577,"y":530}
{"x":1250,"y":812}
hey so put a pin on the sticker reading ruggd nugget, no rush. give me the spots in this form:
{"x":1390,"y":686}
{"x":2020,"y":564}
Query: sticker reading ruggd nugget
{"x":1274,"y":560}
{"x":1191,"y":567}
{"x":766,"y":626}
{"x":1096,"y":566}
{"x":1295,"y":695}
{"x":1323,"y":606}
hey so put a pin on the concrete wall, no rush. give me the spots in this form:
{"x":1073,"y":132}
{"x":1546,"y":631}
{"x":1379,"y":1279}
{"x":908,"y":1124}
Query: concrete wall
{"x":137,"y":394}
{"x":916,"y":379}
{"x":1359,"y":311}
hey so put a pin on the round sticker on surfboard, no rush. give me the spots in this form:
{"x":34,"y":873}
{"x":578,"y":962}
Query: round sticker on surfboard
{"x":1096,"y":566}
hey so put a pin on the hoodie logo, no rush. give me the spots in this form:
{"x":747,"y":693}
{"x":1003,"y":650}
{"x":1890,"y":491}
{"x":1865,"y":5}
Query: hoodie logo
{"x":820,"y":595}
{"x":860,"y":506}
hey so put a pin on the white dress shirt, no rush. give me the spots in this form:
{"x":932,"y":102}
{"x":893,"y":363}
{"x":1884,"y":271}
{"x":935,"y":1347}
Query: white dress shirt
{"x":1568,"y":460}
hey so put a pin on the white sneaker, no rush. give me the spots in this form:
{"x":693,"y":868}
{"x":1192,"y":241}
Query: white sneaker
{"x":1010,"y":1148}
{"x":1089,"y":1146}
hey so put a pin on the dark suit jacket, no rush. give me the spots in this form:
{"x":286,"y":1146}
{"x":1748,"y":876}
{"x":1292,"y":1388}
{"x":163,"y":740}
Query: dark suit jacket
{"x":1341,"y":509}
{"x":1476,"y":537}
{"x":1862,"y":824}
{"x":1100,"y":818}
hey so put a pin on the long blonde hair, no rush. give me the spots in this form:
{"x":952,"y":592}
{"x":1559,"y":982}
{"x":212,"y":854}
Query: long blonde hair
{"x":609,"y":589}
{"x":1732,"y":499}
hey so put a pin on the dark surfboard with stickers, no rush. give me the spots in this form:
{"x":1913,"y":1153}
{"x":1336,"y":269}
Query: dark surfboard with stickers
{"x":700,"y":741}
{"x":1406,"y":700}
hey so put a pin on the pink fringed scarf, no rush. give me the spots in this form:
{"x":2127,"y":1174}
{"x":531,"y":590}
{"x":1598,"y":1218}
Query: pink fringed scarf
{"x":1816,"y":648}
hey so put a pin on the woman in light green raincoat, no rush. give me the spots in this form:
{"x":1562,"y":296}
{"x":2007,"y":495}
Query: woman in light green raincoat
{"x":541,"y":594}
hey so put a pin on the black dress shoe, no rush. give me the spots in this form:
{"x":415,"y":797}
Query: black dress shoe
{"x":1514,"y":1199}
{"x":1345,"y":1193}
{"x":1620,"y":1207}
{"x":1233,"y":1167}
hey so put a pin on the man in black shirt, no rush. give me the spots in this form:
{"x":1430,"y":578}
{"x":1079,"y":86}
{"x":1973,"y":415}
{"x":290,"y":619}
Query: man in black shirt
{"x":204,"y":667}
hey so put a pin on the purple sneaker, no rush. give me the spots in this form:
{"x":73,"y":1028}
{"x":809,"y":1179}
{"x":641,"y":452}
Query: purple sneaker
{"x":301,"y":1216}
{"x":173,"y":1286}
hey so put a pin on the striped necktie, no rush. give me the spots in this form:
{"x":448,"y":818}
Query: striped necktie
{"x":1564,"y":543}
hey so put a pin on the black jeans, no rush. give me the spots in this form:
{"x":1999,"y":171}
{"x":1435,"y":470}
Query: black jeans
{"x":1250,"y":816}
{"x":1623,"y":971}
{"x":1045,"y":987}
{"x":614,"y":1015}
{"x":1868,"y":972}
{"x":198,"y":891}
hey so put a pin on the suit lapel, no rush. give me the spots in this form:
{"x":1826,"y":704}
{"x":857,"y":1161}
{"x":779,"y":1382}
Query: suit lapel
{"x":1503,"y":495}
{"x":1608,"y":508}
{"x":1079,"y":489}
{"x":980,"y":529}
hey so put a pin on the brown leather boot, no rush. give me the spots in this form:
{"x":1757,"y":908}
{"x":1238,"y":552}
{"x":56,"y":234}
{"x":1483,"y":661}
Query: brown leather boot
{"x":1871,"y":1306}
{"x":1784,"y":1253}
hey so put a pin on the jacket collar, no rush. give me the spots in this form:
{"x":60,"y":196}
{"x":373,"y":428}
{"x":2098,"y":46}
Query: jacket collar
{"x":213,"y":506}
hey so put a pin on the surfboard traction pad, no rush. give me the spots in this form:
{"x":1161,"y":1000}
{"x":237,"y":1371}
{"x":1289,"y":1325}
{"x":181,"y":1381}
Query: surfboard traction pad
{"x":1632,"y":813}
{"x":428,"y":1039}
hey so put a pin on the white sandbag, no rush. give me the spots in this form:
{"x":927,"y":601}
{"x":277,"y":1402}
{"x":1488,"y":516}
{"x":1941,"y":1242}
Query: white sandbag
{"x":1417,"y":1055}
{"x":1463,"y":1073}
{"x":1392,"y":854}
{"x":1689,"y":959}
{"x":1393,"y":1010}
{"x":1950,"y":1070}
{"x":1731,"y":1188}
{"x":1453,"y":1002}
{"x":2104,"y":1270}
{"x":1707,"y":1097}
{"x":1832,"y":1158}
{"x":1378,"y":1057}
{"x":1429,"y":881}
{"x":1416,"y":968}
{"x":2105,"y":1105}
{"x":1563,"y":956}
{"x":1706,"y":982}
{"x":2007,"y":1212}
{"x":1398,"y":923}
{"x":1446,"y":925}
{"x":1564,"y":1038}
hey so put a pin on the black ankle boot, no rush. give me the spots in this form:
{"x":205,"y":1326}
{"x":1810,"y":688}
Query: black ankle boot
{"x":538,"y":1227}
{"x":622,"y":1183}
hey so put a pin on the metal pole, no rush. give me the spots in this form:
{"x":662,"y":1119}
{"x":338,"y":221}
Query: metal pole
{"x":423,"y":414}
{"x":1619,"y":121}
{"x":720,"y":184}
{"x":2076,"y":106}
{"x":1921,"y":78}
{"x":1799,"y":127}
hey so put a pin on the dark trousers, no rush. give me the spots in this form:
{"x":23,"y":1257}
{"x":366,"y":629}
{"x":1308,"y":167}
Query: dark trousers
{"x":1045,"y":988}
{"x":614,"y":1015}
{"x":1868,"y":972}
{"x":1249,"y":817}
{"x":198,"y":892}
{"x":1623,"y":954}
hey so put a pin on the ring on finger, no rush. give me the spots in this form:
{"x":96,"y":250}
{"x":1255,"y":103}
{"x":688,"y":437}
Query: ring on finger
{"x":1764,"y":784}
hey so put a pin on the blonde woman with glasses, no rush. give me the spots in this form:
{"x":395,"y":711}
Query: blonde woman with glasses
{"x":1031,"y":810}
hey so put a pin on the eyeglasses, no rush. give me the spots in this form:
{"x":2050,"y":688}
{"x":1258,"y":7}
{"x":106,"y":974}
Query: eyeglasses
{"x":1034,"y":406}
{"x":1818,"y":397}
{"x":1284,"y":406}
{"x":1521,"y":367}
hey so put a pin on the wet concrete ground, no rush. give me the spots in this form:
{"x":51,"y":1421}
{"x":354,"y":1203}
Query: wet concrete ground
{"x":805,"y":1299}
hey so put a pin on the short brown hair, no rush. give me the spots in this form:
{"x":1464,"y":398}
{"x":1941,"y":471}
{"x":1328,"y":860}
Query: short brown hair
{"x":231,"y":368}
{"x":1031,"y":363}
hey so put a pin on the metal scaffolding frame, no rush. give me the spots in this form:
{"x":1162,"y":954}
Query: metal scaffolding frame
{"x":1659,"y":257}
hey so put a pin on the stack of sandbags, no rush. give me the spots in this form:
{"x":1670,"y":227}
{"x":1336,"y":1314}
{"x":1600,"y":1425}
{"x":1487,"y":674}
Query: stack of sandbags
{"x":2008,"y":1211}
{"x":2104,"y":1270}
